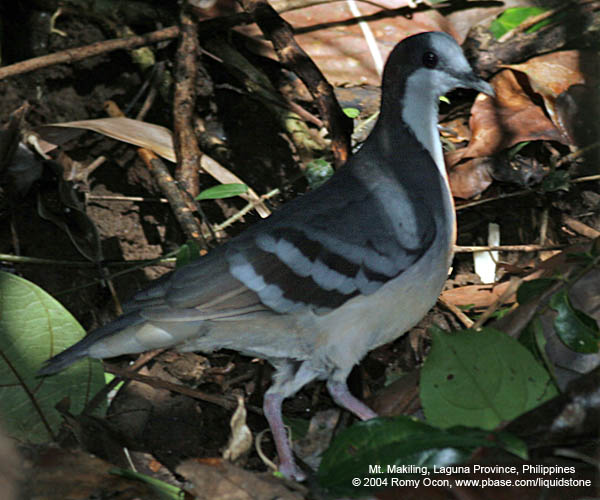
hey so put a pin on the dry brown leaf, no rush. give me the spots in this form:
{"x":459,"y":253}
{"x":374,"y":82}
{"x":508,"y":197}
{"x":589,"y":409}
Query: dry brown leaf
{"x":470,"y":178}
{"x":551,"y":74}
{"x":482,"y":296}
{"x":513,"y":116}
{"x":217,"y":479}
{"x":573,"y":116}
{"x":136,"y":132}
{"x":456,"y":131}
{"x":313,"y":444}
{"x":478,"y":296}
{"x":401,"y":397}
{"x":510,"y":118}
{"x":56,"y":474}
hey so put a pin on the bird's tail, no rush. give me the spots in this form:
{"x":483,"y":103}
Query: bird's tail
{"x":81,"y":348}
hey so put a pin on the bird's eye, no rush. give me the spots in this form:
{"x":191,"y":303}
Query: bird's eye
{"x":430,"y":60}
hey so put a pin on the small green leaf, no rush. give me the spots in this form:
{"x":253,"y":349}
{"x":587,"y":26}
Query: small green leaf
{"x":33,"y":327}
{"x":109,"y":377}
{"x":400,"y":447}
{"x":530,"y":290}
{"x":516,"y":148}
{"x":577,"y":330}
{"x":351,"y":112}
{"x":187,"y":253}
{"x":480,"y":379}
{"x":513,"y":17}
{"x":501,"y":312}
{"x":222,"y":191}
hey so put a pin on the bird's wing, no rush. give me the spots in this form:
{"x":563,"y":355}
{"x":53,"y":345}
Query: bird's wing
{"x":317,"y":252}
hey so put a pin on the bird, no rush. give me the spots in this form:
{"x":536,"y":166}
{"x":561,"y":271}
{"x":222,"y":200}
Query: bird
{"x":332,"y":274}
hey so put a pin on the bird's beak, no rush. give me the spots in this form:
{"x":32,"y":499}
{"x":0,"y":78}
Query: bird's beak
{"x":473,"y":82}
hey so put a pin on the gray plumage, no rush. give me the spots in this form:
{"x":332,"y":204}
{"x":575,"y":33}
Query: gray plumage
{"x":334,"y":273}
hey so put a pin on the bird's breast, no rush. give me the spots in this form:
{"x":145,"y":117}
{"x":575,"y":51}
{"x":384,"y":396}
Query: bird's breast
{"x":344,"y":336}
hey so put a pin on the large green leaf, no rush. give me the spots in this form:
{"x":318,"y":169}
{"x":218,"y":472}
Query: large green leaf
{"x":375,"y":452}
{"x":480,"y":379}
{"x":33,"y":327}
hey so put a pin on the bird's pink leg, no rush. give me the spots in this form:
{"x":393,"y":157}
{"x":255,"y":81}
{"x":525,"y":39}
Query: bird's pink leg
{"x":287,"y":465}
{"x":341,"y":395}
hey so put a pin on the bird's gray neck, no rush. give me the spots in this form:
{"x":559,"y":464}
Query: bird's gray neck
{"x":415,"y":131}
{"x":417,"y":121}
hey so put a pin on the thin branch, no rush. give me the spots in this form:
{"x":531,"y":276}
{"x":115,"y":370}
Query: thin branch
{"x":237,"y":216}
{"x":580,"y":228}
{"x":462,"y":317}
{"x":204,"y":26}
{"x":139,"y":199}
{"x":502,"y":196}
{"x":94,"y":49}
{"x":102,"y":394}
{"x":513,"y":285}
{"x":223,"y":401}
{"x":523,"y":192}
{"x":506,"y":248}
{"x":19,"y":259}
{"x":167,"y":184}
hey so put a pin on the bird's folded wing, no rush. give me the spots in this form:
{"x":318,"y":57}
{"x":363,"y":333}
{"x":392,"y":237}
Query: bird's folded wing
{"x":314,"y":253}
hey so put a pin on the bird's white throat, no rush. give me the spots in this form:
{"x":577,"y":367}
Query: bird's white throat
{"x":420,"y":113}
